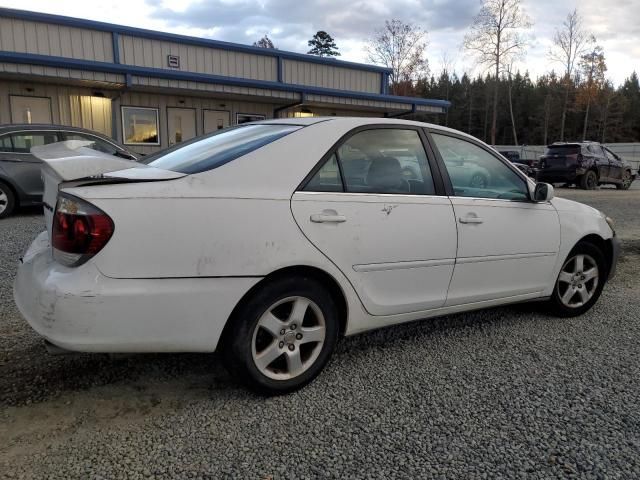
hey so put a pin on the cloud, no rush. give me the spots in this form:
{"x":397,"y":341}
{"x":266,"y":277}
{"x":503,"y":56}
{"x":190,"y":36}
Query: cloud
{"x":291,"y":23}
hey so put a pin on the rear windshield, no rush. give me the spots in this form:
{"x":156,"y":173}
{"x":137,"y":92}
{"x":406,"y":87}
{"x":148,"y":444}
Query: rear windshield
{"x":223,"y":146}
{"x":563,"y":150}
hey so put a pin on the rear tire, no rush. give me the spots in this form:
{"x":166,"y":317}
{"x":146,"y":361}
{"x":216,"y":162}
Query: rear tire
{"x":626,"y":181}
{"x":580,"y":281}
{"x":282,"y":336}
{"x":589,"y":180}
{"x":7,"y":200}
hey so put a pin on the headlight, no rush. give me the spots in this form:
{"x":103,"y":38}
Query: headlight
{"x":611,"y":224}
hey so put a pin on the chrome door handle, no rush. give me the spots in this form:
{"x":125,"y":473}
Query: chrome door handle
{"x":327,"y":218}
{"x":470,"y":219}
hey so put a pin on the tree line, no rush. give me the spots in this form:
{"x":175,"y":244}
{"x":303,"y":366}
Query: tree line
{"x":502,"y":105}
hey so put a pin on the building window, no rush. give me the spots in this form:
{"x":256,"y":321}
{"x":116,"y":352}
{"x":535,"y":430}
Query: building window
{"x":248,"y":117}
{"x":140,"y":126}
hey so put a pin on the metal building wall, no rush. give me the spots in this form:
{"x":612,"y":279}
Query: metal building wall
{"x":328,"y":76}
{"x":58,"y":40}
{"x":153,"y":53}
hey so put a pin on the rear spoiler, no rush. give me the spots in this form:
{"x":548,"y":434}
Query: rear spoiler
{"x":73,"y":160}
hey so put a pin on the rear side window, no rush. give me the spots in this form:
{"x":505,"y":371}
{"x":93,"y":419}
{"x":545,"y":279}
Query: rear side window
{"x":98,"y":144}
{"x":22,"y":142}
{"x":327,"y":179}
{"x":563,"y":150}
{"x":206,"y":153}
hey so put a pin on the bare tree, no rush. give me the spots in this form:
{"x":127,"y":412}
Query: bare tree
{"x":401,"y":47}
{"x":510,"y":89}
{"x":496,"y":39}
{"x":570,"y":42}
{"x":592,"y":70}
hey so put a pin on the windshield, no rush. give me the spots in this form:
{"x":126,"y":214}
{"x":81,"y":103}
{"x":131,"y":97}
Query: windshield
{"x":223,"y":146}
{"x":563,"y":150}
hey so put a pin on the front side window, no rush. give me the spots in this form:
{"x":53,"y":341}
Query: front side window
{"x":610,"y":155}
{"x":206,"y":153}
{"x":140,"y":126}
{"x":5,"y":144}
{"x":474,"y":172}
{"x":22,"y":142}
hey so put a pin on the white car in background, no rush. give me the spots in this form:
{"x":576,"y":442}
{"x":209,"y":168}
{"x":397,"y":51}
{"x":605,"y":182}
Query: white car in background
{"x":257,"y":241}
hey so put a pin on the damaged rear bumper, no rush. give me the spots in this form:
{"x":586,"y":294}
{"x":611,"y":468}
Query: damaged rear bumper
{"x":80,"y":309}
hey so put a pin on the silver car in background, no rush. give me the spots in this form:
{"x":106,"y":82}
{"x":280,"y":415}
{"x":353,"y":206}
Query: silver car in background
{"x":20,"y":178}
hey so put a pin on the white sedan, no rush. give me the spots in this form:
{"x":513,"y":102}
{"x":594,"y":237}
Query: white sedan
{"x":270,"y":240}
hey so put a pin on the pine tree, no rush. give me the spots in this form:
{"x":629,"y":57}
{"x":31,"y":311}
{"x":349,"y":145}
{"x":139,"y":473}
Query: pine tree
{"x":323,"y":45}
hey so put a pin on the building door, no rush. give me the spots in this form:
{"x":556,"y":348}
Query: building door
{"x":181,"y":123}
{"x":215,"y":120}
{"x":30,"y":109}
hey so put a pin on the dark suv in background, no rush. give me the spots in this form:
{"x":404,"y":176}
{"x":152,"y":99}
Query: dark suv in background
{"x":20,"y":179}
{"x":586,"y":164}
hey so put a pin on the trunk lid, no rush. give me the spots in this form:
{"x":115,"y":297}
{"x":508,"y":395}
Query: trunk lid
{"x":72,"y":163}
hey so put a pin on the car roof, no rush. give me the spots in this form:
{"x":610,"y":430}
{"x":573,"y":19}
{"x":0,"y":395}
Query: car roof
{"x":45,"y":126}
{"x":354,"y":122}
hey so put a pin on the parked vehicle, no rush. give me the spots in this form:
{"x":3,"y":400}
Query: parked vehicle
{"x":262,"y":242}
{"x":586,"y":164}
{"x":20,"y":179}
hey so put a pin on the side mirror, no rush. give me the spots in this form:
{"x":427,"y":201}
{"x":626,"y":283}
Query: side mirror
{"x":543,"y":192}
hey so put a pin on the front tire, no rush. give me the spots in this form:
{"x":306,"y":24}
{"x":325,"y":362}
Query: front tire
{"x":282,"y":336}
{"x":580,"y":281}
{"x":7,"y":200}
{"x":626,"y":181}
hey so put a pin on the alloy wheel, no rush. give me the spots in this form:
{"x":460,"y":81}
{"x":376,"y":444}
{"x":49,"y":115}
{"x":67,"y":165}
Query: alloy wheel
{"x":4,"y":200}
{"x":626,"y":180}
{"x":288,"y":338}
{"x":578,"y":280}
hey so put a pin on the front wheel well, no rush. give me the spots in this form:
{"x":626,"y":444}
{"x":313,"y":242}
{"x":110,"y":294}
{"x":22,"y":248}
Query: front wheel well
{"x":327,"y":280}
{"x":605,"y":246}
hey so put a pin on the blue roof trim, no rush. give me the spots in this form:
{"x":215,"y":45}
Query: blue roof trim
{"x":128,"y":70}
{"x":172,"y":37}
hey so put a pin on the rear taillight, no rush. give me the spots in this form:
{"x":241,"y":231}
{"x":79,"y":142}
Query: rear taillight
{"x":80,"y":230}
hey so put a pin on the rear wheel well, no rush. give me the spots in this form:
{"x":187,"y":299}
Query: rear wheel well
{"x":605,"y":247}
{"x":317,"y":274}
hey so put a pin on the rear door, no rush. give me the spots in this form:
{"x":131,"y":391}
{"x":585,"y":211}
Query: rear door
{"x":392,"y":234}
{"x":19,"y":164}
{"x":507,"y":245}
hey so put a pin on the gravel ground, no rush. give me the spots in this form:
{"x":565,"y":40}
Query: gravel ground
{"x":502,"y":393}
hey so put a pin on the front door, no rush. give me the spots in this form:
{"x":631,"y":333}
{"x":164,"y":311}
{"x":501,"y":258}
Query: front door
{"x":30,"y":109}
{"x":181,"y":123}
{"x":215,"y":120}
{"x":507,"y":245}
{"x":388,"y":231}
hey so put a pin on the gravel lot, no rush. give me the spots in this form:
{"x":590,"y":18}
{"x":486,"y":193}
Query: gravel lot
{"x":503,"y":393}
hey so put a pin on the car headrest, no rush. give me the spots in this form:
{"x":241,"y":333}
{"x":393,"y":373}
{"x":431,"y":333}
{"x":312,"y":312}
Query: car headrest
{"x":385,"y":172}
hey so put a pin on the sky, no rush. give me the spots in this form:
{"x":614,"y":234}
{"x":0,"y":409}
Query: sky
{"x":291,"y":23}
